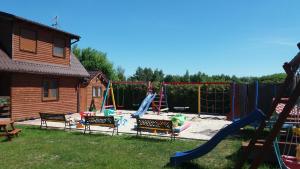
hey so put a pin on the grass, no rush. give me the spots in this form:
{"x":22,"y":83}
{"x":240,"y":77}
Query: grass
{"x":36,"y":148}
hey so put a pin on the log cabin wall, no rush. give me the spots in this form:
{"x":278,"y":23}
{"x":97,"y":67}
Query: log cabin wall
{"x":26,"y":96}
{"x":44,"y":45}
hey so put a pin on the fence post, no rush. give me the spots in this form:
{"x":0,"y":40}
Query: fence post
{"x":199,"y":100}
{"x":256,"y":94}
{"x":233,"y":101}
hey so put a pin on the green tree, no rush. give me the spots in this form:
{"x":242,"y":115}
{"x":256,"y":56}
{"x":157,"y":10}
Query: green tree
{"x":274,"y":78}
{"x":121,"y":74}
{"x":158,"y":76}
{"x":142,"y":74}
{"x":199,"y":77}
{"x":172,"y":78}
{"x":186,"y":77}
{"x":93,"y":59}
{"x":147,"y":74}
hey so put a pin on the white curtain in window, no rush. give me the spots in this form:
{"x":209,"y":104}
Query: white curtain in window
{"x":99,"y":91}
{"x":94,"y":92}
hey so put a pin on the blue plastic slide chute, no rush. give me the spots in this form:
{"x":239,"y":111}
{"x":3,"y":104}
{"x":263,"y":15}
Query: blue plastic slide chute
{"x":180,"y":157}
{"x":144,"y":106}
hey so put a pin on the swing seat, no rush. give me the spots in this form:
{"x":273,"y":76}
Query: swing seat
{"x":296,"y":131}
{"x":290,"y":162}
{"x":135,"y":105}
{"x":109,"y":106}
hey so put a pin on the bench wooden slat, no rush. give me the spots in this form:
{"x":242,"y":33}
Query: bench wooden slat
{"x":154,"y":124}
{"x":103,"y":121}
{"x":149,"y":128}
{"x":54,"y":117}
{"x":103,"y":125}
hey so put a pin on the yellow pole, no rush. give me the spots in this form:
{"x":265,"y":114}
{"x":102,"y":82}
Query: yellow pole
{"x":113,"y":96}
{"x":199,"y":99}
{"x":298,"y":152}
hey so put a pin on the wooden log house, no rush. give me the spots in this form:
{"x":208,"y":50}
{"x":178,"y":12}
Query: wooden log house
{"x":38,"y":72}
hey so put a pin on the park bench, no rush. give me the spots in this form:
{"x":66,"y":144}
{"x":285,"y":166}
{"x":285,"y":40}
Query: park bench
{"x":154,"y":125}
{"x":104,"y":121}
{"x":54,"y":117}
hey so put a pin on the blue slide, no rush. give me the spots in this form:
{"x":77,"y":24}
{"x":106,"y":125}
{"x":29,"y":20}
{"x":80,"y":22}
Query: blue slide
{"x":144,"y":106}
{"x":179,"y":157}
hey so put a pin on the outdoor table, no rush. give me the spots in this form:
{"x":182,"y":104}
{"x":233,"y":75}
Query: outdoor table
{"x":4,"y":124}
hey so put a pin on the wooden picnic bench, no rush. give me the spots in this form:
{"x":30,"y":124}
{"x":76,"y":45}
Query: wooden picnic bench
{"x":154,"y":125}
{"x":54,"y":117}
{"x":6,"y":132}
{"x":104,"y":121}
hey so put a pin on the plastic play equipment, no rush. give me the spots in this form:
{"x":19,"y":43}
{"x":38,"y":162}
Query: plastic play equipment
{"x":144,"y":106}
{"x":209,"y":100}
{"x":179,"y":157}
{"x":109,"y":112}
{"x":287,"y":161}
{"x":291,"y":69}
{"x":178,"y":119}
{"x":183,"y":127}
{"x":179,"y":123}
{"x":288,"y":157}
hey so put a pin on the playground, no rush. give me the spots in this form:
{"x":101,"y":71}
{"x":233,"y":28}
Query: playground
{"x":222,"y":112}
{"x":210,"y":99}
{"x":223,"y":116}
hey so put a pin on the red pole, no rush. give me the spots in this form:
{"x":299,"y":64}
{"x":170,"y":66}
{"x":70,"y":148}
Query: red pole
{"x":215,"y":99}
{"x":223,"y":101}
{"x":160,"y":98}
{"x":130,"y":82}
{"x":195,"y":83}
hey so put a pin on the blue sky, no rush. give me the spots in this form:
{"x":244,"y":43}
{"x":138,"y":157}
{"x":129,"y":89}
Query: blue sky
{"x":234,"y":37}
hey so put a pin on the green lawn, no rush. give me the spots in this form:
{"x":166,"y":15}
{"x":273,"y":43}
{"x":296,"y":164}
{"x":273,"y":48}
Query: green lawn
{"x":36,"y":148}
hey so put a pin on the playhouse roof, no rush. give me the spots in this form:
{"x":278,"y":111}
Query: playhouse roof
{"x":75,"y":69}
{"x":95,"y":73}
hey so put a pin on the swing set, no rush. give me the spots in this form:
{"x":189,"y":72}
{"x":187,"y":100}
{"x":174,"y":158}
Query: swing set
{"x":121,"y":93}
{"x":210,"y":100}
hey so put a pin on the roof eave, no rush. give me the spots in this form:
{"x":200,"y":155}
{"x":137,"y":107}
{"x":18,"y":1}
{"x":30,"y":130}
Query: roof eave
{"x":43,"y":73}
{"x":12,"y":17}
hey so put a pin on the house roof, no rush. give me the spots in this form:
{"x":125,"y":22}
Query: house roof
{"x":14,"y":17}
{"x":97,"y":73}
{"x":74,"y":70}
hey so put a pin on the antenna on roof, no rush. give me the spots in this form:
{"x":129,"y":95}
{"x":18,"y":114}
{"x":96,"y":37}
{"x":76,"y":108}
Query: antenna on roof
{"x":55,"y":22}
